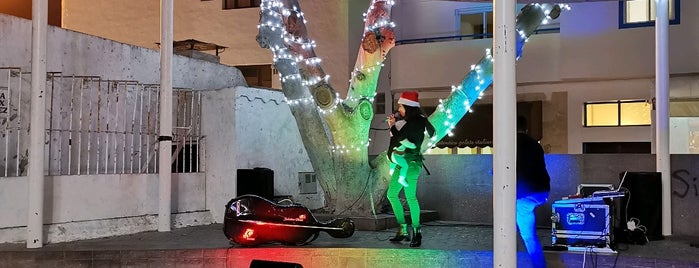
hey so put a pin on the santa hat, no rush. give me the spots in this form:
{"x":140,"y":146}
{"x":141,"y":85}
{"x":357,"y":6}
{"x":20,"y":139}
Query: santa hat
{"x":409,"y":98}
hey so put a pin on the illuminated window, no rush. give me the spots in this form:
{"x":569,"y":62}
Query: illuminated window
{"x":617,"y":113}
{"x":467,"y":150}
{"x":641,"y":13}
{"x":437,"y":150}
{"x":459,"y":150}
{"x":233,"y":4}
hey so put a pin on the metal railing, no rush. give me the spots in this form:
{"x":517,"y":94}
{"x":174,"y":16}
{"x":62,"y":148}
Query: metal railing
{"x":14,"y":121}
{"x":463,"y":37}
{"x":97,"y":126}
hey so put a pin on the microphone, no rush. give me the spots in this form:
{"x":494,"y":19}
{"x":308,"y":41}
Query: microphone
{"x":396,"y":115}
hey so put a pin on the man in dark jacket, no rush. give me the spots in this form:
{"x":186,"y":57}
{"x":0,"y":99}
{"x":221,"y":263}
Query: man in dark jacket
{"x":533,"y":186}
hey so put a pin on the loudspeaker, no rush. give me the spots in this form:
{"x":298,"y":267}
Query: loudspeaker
{"x":273,"y":264}
{"x":257,"y":181}
{"x":644,"y":201}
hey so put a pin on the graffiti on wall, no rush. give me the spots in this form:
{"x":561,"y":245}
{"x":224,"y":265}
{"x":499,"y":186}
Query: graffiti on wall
{"x":685,"y":184}
{"x":4,"y":105}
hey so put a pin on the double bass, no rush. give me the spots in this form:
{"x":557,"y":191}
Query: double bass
{"x":252,"y":220}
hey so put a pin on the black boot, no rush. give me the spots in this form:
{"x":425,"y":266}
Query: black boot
{"x":401,"y":235}
{"x":417,"y":238}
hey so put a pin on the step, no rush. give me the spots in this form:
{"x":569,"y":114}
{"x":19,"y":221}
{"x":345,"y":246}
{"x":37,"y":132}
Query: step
{"x":382,"y":221}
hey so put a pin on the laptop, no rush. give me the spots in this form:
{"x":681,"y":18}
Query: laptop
{"x":611,"y":193}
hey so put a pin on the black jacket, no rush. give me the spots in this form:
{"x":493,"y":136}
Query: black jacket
{"x":413,"y":130}
{"x":532,"y":176}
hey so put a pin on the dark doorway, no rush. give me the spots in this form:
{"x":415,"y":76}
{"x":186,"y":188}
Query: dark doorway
{"x":257,"y":75}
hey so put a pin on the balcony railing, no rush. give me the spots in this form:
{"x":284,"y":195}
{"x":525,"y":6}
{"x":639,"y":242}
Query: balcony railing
{"x":463,"y":37}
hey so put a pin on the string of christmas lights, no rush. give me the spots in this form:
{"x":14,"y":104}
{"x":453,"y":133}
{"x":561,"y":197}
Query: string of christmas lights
{"x":278,"y":11}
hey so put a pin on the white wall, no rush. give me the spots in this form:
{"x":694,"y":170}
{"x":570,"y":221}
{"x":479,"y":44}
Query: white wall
{"x":267,"y":136}
{"x":97,"y":201}
{"x":247,"y":128}
{"x":593,"y":46}
{"x":590,"y":46}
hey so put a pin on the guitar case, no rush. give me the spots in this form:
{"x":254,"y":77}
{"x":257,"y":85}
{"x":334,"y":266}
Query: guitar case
{"x":252,"y":220}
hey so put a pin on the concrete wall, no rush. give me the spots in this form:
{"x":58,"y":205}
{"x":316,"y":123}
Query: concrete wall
{"x":84,"y":207}
{"x":460,"y":186}
{"x":267,"y":136}
{"x":137,"y":22}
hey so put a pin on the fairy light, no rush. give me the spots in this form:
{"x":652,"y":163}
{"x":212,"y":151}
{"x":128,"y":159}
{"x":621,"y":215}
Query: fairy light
{"x":379,"y":24}
{"x":306,"y":100}
{"x":312,"y":60}
{"x":345,"y":149}
{"x":290,"y":77}
{"x":276,"y":10}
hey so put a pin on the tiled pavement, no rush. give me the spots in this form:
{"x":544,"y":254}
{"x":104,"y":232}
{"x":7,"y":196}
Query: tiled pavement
{"x":445,"y":244}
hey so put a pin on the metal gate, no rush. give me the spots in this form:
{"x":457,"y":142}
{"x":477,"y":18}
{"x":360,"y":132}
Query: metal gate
{"x":96,"y":126}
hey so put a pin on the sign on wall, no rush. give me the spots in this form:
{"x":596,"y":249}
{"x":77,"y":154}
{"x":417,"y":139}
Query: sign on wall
{"x":476,"y":128}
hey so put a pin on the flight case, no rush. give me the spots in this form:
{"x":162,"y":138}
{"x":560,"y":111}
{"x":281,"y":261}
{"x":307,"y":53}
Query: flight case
{"x":582,"y":222}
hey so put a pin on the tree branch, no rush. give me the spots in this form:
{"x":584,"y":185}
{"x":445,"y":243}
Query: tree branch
{"x":282,"y":30}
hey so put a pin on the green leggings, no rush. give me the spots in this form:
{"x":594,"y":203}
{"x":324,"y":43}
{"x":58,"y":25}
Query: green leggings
{"x":414,"y":168}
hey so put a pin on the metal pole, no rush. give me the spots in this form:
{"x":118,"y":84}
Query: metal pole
{"x":35,"y":173}
{"x":662,"y":114}
{"x":165,"y":139}
{"x":504,"y":135}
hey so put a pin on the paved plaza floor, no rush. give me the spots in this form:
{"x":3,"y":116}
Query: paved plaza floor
{"x":464,"y":245}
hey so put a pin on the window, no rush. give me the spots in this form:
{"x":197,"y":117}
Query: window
{"x":641,"y":13}
{"x":477,"y":22}
{"x":233,"y":4}
{"x":185,"y":158}
{"x":257,"y":75}
{"x":479,"y":25}
{"x":617,"y":113}
{"x":380,"y":103}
